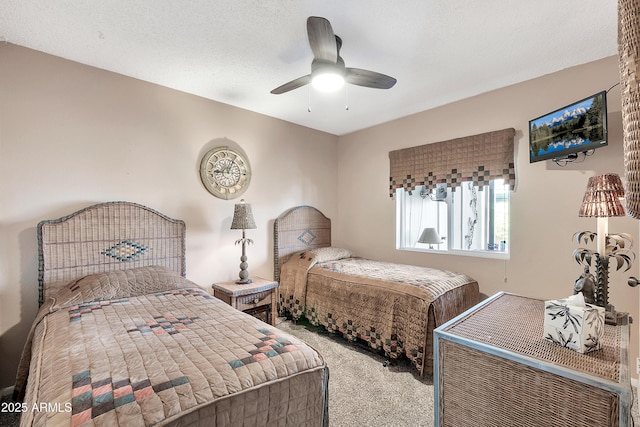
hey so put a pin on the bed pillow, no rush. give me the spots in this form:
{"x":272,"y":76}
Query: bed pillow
{"x":120,"y":284}
{"x":331,"y":254}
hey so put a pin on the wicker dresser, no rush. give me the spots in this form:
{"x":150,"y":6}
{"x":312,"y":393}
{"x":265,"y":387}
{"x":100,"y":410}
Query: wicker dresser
{"x":494,"y":368}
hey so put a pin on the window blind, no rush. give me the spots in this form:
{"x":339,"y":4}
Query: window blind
{"x":478,"y":158}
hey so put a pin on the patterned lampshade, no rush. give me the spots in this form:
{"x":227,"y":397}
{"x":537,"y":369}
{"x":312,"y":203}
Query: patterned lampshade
{"x":242,"y":217}
{"x":602,"y":198}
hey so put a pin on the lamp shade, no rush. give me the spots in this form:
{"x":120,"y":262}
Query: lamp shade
{"x":242,"y":217}
{"x":602,"y":197}
{"x":430,"y":235}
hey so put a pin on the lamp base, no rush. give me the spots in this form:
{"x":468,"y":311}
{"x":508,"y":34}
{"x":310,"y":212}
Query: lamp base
{"x":613,"y":317}
{"x":244,"y":272}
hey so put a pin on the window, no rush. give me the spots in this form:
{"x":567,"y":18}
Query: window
{"x":455,"y":193}
{"x":471,"y":220}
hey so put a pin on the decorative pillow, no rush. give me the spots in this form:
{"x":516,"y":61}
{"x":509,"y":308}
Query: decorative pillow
{"x":120,"y":284}
{"x":331,"y":254}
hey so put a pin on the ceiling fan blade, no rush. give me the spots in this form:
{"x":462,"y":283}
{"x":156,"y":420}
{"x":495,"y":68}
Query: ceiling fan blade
{"x":367,"y":78}
{"x":293,"y":84}
{"x":322,"y":39}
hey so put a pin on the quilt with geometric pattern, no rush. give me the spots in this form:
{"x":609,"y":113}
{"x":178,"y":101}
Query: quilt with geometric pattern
{"x":162,"y":351}
{"x":394,"y":308}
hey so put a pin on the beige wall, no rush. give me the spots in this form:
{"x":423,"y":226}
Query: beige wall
{"x":544,"y":206}
{"x":72,"y":135}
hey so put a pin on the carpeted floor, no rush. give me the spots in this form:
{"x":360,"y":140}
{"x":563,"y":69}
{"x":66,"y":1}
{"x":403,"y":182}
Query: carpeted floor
{"x":7,"y":419}
{"x":362,"y":391}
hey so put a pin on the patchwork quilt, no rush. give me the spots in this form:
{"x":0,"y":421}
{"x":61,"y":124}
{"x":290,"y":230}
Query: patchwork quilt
{"x":392,"y":307}
{"x":162,"y":351}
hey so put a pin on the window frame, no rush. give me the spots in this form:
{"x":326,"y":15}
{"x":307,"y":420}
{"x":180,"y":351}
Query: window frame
{"x":401,"y":219}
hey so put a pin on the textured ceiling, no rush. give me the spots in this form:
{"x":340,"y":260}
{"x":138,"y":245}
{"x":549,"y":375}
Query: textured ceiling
{"x":235,"y":52}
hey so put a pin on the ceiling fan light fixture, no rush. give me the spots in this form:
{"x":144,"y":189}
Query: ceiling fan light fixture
{"x":328,"y":72}
{"x":327,"y":81}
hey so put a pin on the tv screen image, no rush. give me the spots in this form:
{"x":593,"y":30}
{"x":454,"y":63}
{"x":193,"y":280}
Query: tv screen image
{"x":576,"y":128}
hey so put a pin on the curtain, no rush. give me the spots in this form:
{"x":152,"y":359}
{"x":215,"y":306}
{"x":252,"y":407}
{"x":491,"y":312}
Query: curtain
{"x":478,"y":158}
{"x":629,"y":57}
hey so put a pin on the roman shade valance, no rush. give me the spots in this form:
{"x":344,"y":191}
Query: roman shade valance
{"x":478,"y":158}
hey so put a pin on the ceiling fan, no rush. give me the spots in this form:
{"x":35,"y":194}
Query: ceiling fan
{"x":328,"y":71}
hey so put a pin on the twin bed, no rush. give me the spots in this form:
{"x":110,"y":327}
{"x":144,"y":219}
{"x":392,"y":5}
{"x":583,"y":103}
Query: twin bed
{"x":123,"y":338}
{"x":394,"y":308}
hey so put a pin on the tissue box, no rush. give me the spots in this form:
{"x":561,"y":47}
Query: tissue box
{"x":578,"y":327}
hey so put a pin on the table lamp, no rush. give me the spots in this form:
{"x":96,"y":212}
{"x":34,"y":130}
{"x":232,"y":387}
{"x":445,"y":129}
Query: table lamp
{"x":602,"y":200}
{"x":430,"y":236}
{"x":243,"y":220}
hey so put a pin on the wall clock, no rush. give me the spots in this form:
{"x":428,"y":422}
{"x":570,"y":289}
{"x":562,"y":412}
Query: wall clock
{"x":225,"y":172}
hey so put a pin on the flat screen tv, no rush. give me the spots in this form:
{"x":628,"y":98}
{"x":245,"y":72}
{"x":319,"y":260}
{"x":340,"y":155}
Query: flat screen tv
{"x":577,"y":128}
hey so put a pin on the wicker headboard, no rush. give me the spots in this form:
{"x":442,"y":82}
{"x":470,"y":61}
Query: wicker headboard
{"x":104,"y":237}
{"x":297,"y":229}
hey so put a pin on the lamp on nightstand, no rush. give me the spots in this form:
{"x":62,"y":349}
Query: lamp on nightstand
{"x":430,"y":236}
{"x":243,"y":220}
{"x":602,"y":201}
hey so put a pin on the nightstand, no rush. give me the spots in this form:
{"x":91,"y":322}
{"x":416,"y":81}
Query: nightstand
{"x":258,"y":298}
{"x":498,"y":347}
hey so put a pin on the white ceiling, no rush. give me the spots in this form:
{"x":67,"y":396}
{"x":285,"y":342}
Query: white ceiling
{"x":235,"y":52}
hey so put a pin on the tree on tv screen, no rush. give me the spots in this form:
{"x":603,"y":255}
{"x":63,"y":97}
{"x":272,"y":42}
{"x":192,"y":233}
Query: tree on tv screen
{"x":578,"y":130}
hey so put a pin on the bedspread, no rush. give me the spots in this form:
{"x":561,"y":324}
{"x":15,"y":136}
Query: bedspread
{"x":393,"y":307}
{"x":173,"y":357}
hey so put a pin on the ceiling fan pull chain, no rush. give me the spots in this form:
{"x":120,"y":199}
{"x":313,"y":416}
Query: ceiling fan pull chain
{"x":346,"y":96}
{"x":309,"y":104}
